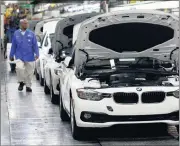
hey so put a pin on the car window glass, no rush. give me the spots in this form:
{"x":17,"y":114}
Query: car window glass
{"x":68,"y":31}
{"x":41,"y":29}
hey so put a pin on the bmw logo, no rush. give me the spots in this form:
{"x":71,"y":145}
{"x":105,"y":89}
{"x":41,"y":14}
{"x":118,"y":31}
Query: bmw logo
{"x":139,"y":89}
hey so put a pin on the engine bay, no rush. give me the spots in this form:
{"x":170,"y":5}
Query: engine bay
{"x":133,"y":79}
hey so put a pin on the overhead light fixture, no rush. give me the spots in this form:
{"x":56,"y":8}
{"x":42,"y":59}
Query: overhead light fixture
{"x":8,"y":2}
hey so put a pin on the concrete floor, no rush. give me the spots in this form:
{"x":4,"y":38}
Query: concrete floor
{"x":31,"y":119}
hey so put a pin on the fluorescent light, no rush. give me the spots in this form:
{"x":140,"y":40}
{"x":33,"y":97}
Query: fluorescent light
{"x":10,"y":2}
{"x":127,"y":59}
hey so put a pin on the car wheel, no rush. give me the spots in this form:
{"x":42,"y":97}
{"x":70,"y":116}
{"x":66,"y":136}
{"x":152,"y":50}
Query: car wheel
{"x":77,"y":132}
{"x":46,"y":88}
{"x":54,"y":97}
{"x":36,"y":75}
{"x":41,"y":80}
{"x":63,"y":115}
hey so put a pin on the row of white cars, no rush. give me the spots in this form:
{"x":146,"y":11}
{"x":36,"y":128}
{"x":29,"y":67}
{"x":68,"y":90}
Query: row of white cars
{"x":113,"y":68}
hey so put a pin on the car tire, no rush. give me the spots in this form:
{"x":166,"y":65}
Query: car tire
{"x":77,"y":132}
{"x":36,"y":75}
{"x":63,"y":115}
{"x":54,"y":97}
{"x":46,"y":88}
{"x":41,"y":80}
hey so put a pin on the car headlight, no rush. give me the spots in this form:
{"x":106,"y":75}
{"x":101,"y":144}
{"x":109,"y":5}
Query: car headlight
{"x":175,"y":94}
{"x":90,"y":94}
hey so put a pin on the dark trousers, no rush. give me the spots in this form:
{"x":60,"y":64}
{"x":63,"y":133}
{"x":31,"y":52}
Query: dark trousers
{"x":13,"y":67}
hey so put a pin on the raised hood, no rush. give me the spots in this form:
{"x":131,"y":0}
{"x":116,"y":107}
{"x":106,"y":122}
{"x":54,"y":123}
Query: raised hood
{"x":39,"y":26}
{"x":64,"y":31}
{"x":128,"y":34}
{"x":50,"y":26}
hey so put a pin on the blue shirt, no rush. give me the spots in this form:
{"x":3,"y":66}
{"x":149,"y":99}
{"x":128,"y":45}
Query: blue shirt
{"x":24,"y":47}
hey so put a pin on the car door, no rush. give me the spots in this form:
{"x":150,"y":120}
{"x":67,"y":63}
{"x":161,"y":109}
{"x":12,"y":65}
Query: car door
{"x":44,"y":52}
{"x":37,"y":62}
{"x":67,"y":73}
{"x":47,"y":70}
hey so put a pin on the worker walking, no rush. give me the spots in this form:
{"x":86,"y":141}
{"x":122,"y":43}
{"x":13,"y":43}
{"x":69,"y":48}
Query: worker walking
{"x":25,"y":49}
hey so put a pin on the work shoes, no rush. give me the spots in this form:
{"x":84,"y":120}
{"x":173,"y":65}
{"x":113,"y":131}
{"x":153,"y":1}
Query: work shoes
{"x":28,"y":89}
{"x":21,"y":85}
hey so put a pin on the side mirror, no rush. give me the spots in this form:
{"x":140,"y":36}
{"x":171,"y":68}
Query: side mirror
{"x":67,"y":61}
{"x":50,"y":51}
{"x":39,"y":44}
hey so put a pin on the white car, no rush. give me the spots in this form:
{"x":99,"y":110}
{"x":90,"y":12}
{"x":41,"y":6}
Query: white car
{"x":45,"y":50}
{"x":117,"y":73}
{"x":63,"y":42}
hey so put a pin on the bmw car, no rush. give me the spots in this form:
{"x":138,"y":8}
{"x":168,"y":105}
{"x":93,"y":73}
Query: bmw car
{"x":121,"y":72}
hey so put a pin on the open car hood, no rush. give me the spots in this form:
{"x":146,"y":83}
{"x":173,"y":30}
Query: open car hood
{"x":50,"y":26}
{"x":64,"y":30}
{"x":127,"y":34}
{"x":39,"y":30}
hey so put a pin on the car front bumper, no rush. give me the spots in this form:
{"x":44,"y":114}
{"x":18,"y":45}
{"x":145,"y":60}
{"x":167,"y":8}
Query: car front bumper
{"x":106,"y":113}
